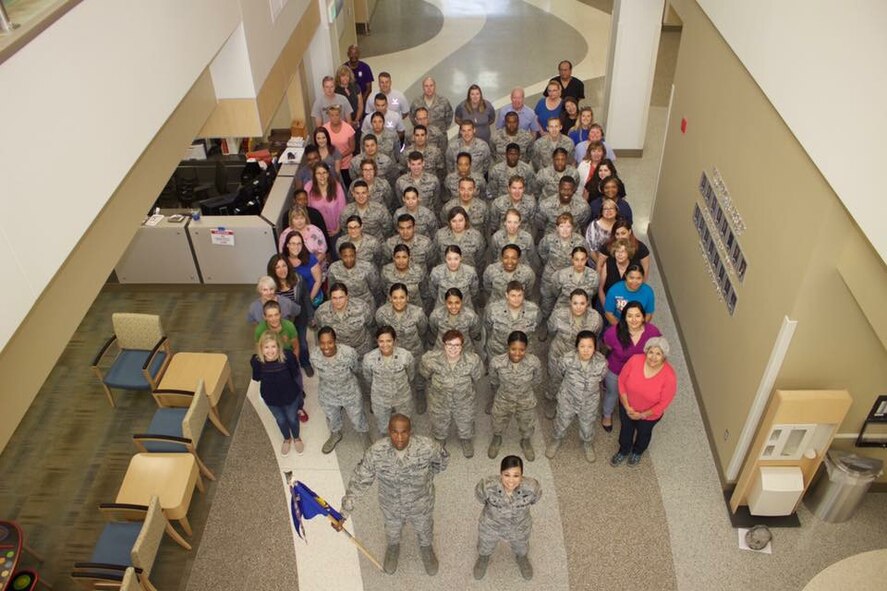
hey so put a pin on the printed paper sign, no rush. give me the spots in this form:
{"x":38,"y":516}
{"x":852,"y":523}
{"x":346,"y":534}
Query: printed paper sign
{"x":222,"y":237}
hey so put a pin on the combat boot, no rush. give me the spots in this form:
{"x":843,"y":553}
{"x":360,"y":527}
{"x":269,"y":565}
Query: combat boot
{"x":467,"y":447}
{"x":526,"y":569}
{"x":590,"y":457}
{"x":334,"y":438}
{"x":429,"y":559}
{"x":553,"y":446}
{"x":392,"y":553}
{"x":493,"y":450}
{"x":480,"y":566}
{"x":527,"y":446}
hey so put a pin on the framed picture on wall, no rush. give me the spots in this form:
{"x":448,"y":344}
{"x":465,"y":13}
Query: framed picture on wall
{"x":730,"y":240}
{"x":731,"y":300}
{"x":698,"y":220}
{"x":736,"y":256}
{"x":741,"y":267}
{"x":703,"y":183}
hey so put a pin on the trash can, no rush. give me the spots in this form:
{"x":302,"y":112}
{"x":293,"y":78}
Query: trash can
{"x":841,"y":487}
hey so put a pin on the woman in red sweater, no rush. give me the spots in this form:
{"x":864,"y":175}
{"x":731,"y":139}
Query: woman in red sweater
{"x":647,"y":385}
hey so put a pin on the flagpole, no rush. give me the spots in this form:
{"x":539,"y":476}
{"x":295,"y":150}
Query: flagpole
{"x":356,"y":542}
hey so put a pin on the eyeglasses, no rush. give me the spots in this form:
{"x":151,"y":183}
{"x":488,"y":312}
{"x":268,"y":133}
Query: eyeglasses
{"x":453,"y":345}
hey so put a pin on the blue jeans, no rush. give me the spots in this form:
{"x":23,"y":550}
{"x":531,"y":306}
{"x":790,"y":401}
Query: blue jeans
{"x":287,"y":418}
{"x":611,"y":393}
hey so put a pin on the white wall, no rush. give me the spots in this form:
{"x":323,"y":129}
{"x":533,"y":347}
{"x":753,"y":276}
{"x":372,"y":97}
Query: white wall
{"x":230,"y":70}
{"x":266,"y":39}
{"x":821,"y":64}
{"x":110,"y":73}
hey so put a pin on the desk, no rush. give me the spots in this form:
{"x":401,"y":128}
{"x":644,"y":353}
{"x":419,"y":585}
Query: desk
{"x":186,"y":369}
{"x":169,"y":476}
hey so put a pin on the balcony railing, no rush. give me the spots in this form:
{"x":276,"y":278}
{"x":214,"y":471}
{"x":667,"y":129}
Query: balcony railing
{"x":22,"y":20}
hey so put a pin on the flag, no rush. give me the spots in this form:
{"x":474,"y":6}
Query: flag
{"x":306,"y":504}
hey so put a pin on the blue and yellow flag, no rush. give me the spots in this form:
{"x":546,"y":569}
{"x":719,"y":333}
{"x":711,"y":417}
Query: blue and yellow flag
{"x":306,"y":504}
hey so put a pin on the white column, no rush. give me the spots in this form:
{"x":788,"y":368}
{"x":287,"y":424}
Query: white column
{"x":322,"y":58}
{"x":634,"y":45}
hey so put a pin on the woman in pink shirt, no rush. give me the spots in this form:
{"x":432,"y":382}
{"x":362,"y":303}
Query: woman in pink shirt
{"x":313,"y":236}
{"x":647,"y":385}
{"x":326,"y":195}
{"x":342,"y":137}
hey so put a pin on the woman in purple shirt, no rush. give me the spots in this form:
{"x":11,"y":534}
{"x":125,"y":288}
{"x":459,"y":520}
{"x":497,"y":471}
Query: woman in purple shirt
{"x":625,"y":339}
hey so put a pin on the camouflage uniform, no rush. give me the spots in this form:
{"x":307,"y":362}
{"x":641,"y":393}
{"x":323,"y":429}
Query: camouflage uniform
{"x":579,"y":394}
{"x":471,"y":242}
{"x":352,"y":325}
{"x":406,"y":485}
{"x":386,"y":168}
{"x":496,"y":278}
{"x":380,"y":192}
{"x":566,"y":280}
{"x":426,"y":221}
{"x":524,"y":138}
{"x":465,"y":278}
{"x":500,"y":205}
{"x":478,"y":212}
{"x":369,"y":248}
{"x":452,"y":389}
{"x":480,"y":154}
{"x":375,"y":219}
{"x":551,"y":207}
{"x":362,"y":281}
{"x":411,"y":326}
{"x":514,"y":393}
{"x":422,"y":250}
{"x":524,"y":240}
{"x":415,"y":278}
{"x":467,"y":322}
{"x":451,"y":185}
{"x":499,"y":322}
{"x":543,"y":148}
{"x":501,"y":173}
{"x":556,"y":254}
{"x":505,"y":516}
{"x":389,"y":144}
{"x":338,"y":387}
{"x":440,"y":113}
{"x":428,"y":186}
{"x":548,"y":179}
{"x":434,"y":162}
{"x":563,"y":328}
{"x":389,"y":380}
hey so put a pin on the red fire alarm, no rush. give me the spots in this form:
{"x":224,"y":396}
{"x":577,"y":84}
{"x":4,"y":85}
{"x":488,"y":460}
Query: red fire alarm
{"x":683,"y":125}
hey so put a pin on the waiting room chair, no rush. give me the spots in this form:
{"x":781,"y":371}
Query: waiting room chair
{"x":177,"y":429}
{"x":142,"y":356}
{"x":131,"y":539}
{"x":128,"y":581}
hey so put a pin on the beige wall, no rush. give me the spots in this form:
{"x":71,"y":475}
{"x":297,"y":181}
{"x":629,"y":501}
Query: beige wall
{"x":30,"y":356}
{"x":796,"y":229}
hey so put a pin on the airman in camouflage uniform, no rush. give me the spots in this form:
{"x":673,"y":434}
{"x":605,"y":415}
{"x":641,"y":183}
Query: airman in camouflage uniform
{"x":501,"y":174}
{"x":515,"y":199}
{"x":404,"y":465}
{"x":411,"y":325}
{"x":512,"y":134}
{"x":389,"y":377}
{"x":351,"y":319}
{"x":337,"y":367}
{"x":548,"y":178}
{"x":454,"y":316}
{"x":470,"y":242}
{"x":436,"y":137}
{"x":463,"y":171}
{"x":581,"y":372}
{"x":563,"y":326}
{"x":556,"y":250}
{"x":503,"y":317}
{"x":513,"y":384}
{"x":463,"y":277}
{"x":414,"y":276}
{"x":440,"y":112}
{"x":567,"y":200}
{"x":544,"y":147}
{"x":477,"y":208}
{"x":386,"y":168}
{"x":426,"y":183}
{"x":423,"y":251}
{"x":566,"y":281}
{"x":433,"y":159}
{"x":361,"y":277}
{"x":380,"y":188}
{"x":509,"y":268}
{"x":468,"y":143}
{"x":521,"y":238}
{"x":368,"y":247}
{"x":375,"y":217}
{"x":452,"y":376}
{"x":427,"y":223}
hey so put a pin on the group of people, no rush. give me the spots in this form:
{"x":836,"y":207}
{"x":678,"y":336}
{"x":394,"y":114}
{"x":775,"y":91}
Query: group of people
{"x":427,"y":265}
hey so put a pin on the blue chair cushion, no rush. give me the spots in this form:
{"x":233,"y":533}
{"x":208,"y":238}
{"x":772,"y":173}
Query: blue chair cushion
{"x":166,"y":421}
{"x":126,"y":372}
{"x":116,"y":542}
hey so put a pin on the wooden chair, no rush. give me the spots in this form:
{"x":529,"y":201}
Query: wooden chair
{"x":174,"y":428}
{"x":142,"y":356}
{"x":130,"y":540}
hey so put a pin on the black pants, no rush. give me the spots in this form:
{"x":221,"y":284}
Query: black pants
{"x":634,"y":435}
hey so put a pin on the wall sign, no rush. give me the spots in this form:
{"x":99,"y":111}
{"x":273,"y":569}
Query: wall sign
{"x":714,"y":263}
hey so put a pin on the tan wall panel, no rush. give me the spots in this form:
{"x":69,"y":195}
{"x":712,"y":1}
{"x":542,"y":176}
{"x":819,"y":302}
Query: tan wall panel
{"x":283,"y":70}
{"x":30,"y":355}
{"x":731,"y":125}
{"x":233,"y":118}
